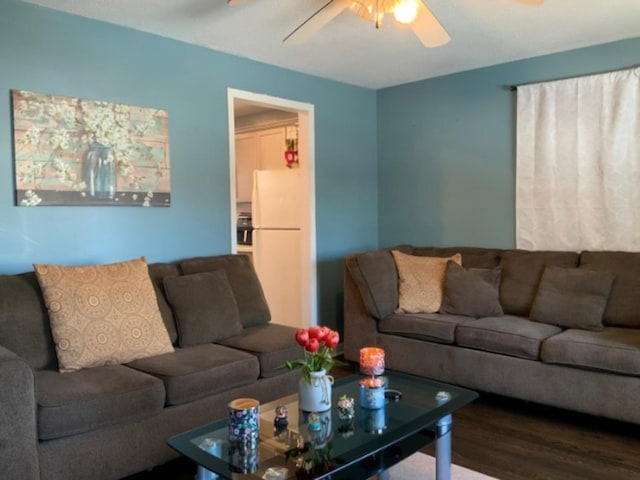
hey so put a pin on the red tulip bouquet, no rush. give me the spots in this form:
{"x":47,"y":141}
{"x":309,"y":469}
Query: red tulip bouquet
{"x":318,"y":343}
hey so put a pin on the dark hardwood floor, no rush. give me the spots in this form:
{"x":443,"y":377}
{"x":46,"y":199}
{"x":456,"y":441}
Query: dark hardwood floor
{"x":515,"y":440}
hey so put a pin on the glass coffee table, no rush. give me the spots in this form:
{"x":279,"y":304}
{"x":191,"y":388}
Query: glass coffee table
{"x":376,"y":440}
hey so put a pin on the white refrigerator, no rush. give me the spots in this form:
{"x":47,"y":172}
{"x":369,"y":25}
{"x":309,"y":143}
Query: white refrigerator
{"x":277,"y":255}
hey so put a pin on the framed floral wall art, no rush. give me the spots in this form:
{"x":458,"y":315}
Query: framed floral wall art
{"x":72,"y":151}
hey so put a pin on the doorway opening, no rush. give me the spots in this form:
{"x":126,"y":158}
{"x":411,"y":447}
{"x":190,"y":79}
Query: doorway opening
{"x":244,"y":102}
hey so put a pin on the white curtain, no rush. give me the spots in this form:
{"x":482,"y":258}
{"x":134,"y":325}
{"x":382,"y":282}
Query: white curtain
{"x":578,"y":163}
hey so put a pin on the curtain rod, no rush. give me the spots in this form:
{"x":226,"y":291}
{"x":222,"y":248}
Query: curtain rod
{"x":514,"y":88}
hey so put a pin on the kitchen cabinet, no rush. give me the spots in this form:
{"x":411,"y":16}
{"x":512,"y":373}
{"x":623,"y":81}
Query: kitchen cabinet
{"x":246,"y":163}
{"x":257,"y":150}
{"x":271,"y":147}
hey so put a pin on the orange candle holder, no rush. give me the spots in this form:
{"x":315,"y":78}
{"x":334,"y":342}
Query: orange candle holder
{"x":371,"y":361}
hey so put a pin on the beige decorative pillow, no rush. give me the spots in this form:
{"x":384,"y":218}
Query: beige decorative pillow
{"x":421,"y":281}
{"x":102,"y":314}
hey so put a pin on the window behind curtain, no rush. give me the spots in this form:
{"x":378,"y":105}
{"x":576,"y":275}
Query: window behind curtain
{"x":578,"y":163}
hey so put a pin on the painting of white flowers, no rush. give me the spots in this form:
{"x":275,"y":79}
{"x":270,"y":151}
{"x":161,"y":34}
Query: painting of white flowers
{"x":71,"y":151}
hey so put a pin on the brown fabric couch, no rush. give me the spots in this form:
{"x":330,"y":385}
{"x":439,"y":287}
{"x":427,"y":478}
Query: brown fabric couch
{"x":112,"y":421}
{"x":593,"y":369}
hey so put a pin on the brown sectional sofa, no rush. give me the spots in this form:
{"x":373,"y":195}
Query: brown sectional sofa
{"x":111,"y":421}
{"x":595,"y":370}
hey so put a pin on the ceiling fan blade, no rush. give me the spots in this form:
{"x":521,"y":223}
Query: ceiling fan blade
{"x":428,"y":29}
{"x":315,"y":22}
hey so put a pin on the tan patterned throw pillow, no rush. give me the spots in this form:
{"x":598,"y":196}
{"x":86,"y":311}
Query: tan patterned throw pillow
{"x":102,"y":314}
{"x":421,"y":281}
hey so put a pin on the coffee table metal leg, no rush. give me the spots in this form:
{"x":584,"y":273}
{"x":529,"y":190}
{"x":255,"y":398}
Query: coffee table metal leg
{"x":443,"y":448}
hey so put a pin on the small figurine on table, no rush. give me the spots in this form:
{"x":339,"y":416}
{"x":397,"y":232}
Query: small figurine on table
{"x":280,"y":422}
{"x":314,"y":422}
{"x":346,"y":414}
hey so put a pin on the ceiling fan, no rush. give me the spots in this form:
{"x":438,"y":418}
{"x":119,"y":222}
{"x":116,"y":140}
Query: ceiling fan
{"x":414,"y":13}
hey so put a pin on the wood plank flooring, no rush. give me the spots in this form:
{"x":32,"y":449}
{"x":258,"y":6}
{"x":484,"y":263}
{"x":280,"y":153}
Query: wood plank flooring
{"x":515,"y":440}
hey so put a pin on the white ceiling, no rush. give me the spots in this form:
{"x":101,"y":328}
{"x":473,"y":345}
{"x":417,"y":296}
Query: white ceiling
{"x":483,"y":32}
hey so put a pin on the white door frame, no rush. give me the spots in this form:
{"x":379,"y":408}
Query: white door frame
{"x":306,"y":148}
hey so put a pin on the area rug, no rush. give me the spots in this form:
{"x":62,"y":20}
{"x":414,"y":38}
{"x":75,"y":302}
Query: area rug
{"x":423,"y":467}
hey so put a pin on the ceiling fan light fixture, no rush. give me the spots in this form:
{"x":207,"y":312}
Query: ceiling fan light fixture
{"x":361,"y":10}
{"x":367,"y":10}
{"x":405,"y":11}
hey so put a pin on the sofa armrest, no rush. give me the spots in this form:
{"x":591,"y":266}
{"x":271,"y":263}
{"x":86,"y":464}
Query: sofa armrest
{"x":360,"y":327}
{"x":18,"y":424}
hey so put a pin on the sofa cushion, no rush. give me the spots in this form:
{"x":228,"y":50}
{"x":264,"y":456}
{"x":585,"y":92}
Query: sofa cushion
{"x":572,"y":298}
{"x":613,"y":349}
{"x":521,"y":273}
{"x":24,"y":323}
{"x":199,"y":371}
{"x":436,"y":327}
{"x":473,"y":292}
{"x":421,"y":281}
{"x":89,"y":399}
{"x":472,"y":257}
{"x":508,"y":335}
{"x":376,"y":276}
{"x":102,"y":314}
{"x":623,"y":307}
{"x":244,"y":282}
{"x":204,"y":306}
{"x":272,"y":344}
{"x":158,"y":272}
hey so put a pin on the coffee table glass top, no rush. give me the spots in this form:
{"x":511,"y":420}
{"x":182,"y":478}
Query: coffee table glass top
{"x":376,"y":440}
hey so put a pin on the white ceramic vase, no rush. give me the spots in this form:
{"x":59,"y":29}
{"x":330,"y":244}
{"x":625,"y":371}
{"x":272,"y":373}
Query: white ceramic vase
{"x":315,"y":396}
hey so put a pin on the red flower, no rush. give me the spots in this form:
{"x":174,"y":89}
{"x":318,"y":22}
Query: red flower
{"x":302,"y":337}
{"x":312,"y":345}
{"x":317,"y":344}
{"x":332,"y":340}
{"x":314,"y":332}
{"x":322,"y":335}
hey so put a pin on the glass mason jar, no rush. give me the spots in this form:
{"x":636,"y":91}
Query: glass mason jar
{"x":100,"y":171}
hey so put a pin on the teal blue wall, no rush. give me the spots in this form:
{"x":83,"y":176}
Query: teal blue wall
{"x":442,"y":172}
{"x":446,"y":148}
{"x":45,"y":51}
